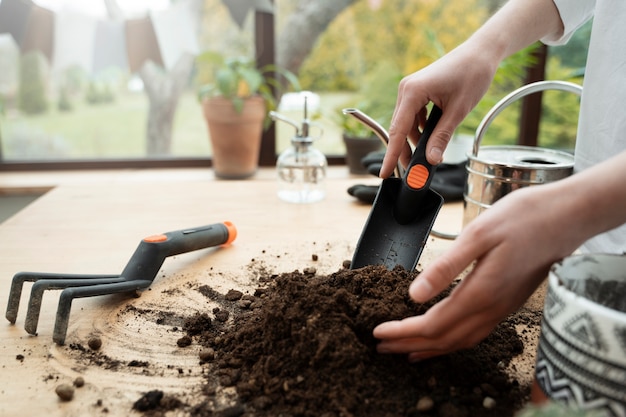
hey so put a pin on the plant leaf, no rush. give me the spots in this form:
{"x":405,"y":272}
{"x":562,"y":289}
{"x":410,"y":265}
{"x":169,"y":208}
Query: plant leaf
{"x":226,"y":81}
{"x":252,"y":77}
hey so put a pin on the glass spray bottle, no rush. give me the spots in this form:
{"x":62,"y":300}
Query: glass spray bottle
{"x":301,"y":168}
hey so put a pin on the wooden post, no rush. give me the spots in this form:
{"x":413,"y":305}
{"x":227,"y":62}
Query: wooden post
{"x":530,"y":117}
{"x":265,"y":55}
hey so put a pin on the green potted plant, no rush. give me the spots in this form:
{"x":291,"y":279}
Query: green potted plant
{"x":236,"y":98}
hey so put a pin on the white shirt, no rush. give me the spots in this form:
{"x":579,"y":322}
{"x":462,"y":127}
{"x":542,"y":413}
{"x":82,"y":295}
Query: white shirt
{"x":602,"y":120}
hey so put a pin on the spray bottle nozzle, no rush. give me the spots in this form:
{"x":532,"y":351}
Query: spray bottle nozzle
{"x":302,"y":130}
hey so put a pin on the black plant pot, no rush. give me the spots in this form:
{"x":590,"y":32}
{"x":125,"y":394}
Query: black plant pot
{"x":356,"y":149}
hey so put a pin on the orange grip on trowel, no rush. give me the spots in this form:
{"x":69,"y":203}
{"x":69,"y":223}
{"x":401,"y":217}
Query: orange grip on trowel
{"x":417,"y":176}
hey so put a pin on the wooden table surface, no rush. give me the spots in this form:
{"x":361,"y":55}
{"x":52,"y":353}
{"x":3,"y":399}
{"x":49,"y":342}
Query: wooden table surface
{"x":94,"y":227}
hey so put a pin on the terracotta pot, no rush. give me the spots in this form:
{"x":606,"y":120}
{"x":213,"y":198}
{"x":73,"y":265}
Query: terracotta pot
{"x":356,"y":149}
{"x":235,"y":137}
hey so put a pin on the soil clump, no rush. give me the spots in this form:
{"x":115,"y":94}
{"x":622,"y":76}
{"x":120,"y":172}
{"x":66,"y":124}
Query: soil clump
{"x":302,"y":346}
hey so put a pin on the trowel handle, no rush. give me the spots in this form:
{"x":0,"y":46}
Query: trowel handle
{"x":418,"y":175}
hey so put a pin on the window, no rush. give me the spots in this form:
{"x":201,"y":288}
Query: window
{"x":82,"y":84}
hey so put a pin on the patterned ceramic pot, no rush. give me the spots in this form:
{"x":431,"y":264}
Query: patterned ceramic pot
{"x":581,"y":359}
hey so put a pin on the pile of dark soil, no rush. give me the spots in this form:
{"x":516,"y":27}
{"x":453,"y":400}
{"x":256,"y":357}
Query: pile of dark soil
{"x":302,"y":345}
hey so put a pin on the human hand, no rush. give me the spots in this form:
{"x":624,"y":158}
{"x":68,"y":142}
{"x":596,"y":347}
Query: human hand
{"x":455,"y":83}
{"x":513,"y":245}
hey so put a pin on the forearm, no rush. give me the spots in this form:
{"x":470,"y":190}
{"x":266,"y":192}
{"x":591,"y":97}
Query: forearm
{"x":599,"y":196}
{"x":518,"y":24}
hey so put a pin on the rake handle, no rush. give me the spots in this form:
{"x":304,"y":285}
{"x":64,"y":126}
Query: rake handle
{"x":149,"y":256}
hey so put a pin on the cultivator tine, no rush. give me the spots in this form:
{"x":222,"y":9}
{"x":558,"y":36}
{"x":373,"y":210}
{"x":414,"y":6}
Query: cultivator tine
{"x":15,"y":293}
{"x":21,"y":277}
{"x":68,"y":295}
{"x":36,"y":293}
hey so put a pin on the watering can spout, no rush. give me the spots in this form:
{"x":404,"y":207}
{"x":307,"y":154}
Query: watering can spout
{"x":375,"y":127}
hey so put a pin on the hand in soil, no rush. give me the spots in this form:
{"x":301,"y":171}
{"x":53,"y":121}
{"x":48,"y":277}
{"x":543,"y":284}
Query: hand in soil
{"x":502,"y":279}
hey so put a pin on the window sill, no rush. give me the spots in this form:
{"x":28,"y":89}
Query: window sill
{"x":40,"y":182}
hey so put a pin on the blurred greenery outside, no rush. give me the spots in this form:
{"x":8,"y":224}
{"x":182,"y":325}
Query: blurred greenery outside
{"x":357,"y":62}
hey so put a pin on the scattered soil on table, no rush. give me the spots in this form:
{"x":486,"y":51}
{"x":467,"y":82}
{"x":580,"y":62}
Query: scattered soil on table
{"x":302,"y":345}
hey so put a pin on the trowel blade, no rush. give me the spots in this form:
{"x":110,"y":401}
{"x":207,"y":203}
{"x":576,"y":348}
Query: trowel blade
{"x":386,"y":242}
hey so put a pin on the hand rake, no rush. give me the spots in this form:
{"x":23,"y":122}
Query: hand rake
{"x":138,"y":274}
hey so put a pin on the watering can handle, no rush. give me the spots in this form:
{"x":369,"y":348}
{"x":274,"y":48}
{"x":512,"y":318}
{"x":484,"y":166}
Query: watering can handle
{"x":501,"y":105}
{"x":516,"y":95}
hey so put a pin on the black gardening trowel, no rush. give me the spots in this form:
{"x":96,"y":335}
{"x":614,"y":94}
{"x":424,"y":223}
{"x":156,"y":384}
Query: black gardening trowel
{"x":402,"y":214}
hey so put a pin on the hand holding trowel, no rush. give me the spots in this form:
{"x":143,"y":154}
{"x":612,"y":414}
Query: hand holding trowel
{"x":403,"y":212}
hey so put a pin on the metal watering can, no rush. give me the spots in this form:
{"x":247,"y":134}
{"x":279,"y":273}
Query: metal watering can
{"x":495,"y":171}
